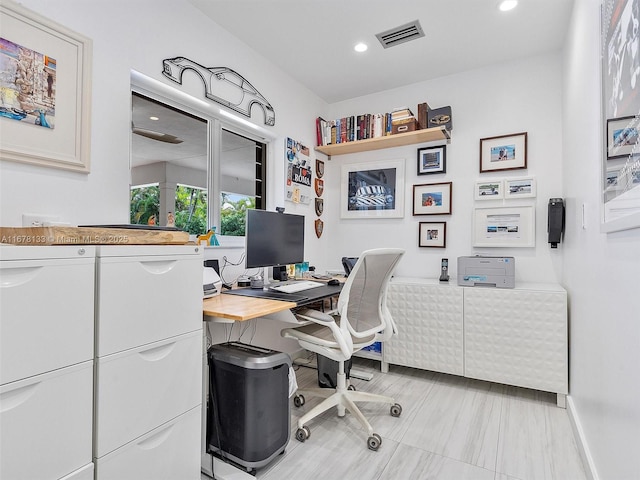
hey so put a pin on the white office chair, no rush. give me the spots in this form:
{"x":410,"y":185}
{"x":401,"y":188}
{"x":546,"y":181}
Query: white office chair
{"x":362,"y":319}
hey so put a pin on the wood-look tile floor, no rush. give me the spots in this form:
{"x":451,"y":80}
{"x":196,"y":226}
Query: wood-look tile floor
{"x":451,"y":428}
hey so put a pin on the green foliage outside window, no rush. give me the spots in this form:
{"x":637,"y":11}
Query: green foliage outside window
{"x":145,"y":203}
{"x":191,"y":209}
{"x":233,"y":214}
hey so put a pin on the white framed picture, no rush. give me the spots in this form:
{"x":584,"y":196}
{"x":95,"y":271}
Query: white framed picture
{"x":521,"y":187}
{"x":373,"y":190}
{"x":504,"y":227}
{"x":51,"y":125}
{"x":489,"y":190}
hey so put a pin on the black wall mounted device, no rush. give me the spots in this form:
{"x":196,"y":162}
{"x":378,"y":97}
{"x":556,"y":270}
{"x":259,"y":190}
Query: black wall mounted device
{"x":555,"y":221}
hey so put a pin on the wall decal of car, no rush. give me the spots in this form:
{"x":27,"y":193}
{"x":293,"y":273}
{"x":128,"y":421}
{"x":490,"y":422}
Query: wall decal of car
{"x":222,"y":85}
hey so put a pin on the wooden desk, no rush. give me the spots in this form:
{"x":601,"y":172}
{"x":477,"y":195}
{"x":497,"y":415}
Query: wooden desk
{"x":239,"y":308}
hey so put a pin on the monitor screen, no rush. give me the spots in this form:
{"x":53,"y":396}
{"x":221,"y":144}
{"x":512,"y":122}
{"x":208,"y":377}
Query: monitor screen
{"x":273,"y":239}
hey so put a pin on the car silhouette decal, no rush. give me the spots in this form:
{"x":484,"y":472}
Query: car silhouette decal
{"x":222,"y":85}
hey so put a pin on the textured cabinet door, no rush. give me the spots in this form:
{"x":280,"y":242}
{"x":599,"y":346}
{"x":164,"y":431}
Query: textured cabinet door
{"x":517,"y":337}
{"x":429,"y":321}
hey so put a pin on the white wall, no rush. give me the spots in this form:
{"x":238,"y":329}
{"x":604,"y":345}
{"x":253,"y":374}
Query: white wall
{"x":522,"y":96}
{"x":600,"y":272}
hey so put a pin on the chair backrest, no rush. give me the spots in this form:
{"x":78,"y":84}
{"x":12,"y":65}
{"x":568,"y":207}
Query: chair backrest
{"x":348,"y":263}
{"x":363,"y":301}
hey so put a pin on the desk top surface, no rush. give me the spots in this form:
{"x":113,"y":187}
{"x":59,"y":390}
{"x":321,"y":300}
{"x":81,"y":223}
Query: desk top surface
{"x":240,"y":307}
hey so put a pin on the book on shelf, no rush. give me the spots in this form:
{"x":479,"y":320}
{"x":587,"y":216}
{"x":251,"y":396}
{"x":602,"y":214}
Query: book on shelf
{"x":369,"y":125}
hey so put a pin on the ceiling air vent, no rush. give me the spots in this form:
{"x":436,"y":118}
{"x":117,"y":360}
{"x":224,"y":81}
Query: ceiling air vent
{"x":403,"y":33}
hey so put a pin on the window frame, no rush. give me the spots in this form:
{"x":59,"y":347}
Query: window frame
{"x":218,"y":119}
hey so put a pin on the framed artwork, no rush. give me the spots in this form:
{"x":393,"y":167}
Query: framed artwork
{"x":299,"y":170}
{"x":432,"y":234}
{"x":505,"y":152}
{"x":504,"y":227}
{"x":45,"y":77}
{"x":622,"y":137}
{"x":432,"y":199}
{"x":372,"y":190}
{"x":620,"y":161}
{"x":489,"y":190}
{"x":523,"y":187}
{"x":432,"y":160}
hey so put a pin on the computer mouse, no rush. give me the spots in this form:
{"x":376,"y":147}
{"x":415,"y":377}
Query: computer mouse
{"x":333,"y":281}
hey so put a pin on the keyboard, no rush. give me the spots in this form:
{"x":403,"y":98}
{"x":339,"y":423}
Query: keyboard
{"x":297,"y":286}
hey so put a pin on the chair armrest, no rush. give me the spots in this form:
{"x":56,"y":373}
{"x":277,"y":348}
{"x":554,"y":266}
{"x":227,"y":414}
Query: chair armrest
{"x":315,"y":316}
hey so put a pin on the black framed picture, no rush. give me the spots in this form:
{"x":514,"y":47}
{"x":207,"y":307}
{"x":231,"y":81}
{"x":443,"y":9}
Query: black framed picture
{"x":432,"y":160}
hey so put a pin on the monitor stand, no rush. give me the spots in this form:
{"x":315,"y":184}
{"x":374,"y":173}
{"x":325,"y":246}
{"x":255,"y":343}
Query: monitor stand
{"x":280,"y":273}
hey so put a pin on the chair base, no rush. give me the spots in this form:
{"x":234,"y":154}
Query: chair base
{"x":344,"y":399}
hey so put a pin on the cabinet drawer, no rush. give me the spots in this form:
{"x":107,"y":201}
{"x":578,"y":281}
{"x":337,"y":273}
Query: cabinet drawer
{"x":149,"y":298}
{"x":84,"y":473}
{"x":45,"y":424}
{"x":45,"y":304}
{"x":141,"y":388}
{"x":430,"y":327}
{"x":171,"y":451}
{"x":517,"y":337}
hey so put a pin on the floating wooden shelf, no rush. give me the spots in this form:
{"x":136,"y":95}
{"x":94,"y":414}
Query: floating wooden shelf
{"x":389,"y":141}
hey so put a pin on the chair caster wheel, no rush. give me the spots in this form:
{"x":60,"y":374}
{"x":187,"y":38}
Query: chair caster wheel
{"x":396,"y":410}
{"x":351,"y":387}
{"x":374,"y":441}
{"x":298,"y":400}
{"x":303,"y":433}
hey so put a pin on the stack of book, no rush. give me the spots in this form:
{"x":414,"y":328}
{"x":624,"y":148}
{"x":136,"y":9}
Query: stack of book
{"x":353,"y":128}
{"x":402,"y":120}
{"x":372,"y":125}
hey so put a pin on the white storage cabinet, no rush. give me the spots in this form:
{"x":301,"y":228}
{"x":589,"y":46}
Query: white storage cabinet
{"x":149,"y":362}
{"x":513,"y":336}
{"x":46,"y":362}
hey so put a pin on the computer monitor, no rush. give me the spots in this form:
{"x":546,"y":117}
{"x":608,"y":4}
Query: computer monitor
{"x":273,"y":240}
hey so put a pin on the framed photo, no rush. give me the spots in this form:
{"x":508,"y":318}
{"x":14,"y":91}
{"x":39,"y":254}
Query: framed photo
{"x":432,"y":199}
{"x":432,"y":234}
{"x":505,"y":152}
{"x":620,"y":185}
{"x":520,"y":187}
{"x":432,"y":160}
{"x":46,"y":115}
{"x":504,"y":227}
{"x":622,"y":137}
{"x":373,"y":190}
{"x":489,"y":190}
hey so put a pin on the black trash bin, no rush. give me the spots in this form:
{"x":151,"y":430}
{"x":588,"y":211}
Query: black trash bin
{"x":328,"y":371}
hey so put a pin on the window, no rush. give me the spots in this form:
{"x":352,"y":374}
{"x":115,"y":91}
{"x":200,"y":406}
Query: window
{"x":177,"y":167}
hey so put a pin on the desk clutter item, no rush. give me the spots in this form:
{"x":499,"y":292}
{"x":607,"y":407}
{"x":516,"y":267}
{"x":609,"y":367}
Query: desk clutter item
{"x":298,"y":286}
{"x":248,"y":413}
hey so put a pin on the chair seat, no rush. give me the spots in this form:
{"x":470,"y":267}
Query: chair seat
{"x":321,"y":335}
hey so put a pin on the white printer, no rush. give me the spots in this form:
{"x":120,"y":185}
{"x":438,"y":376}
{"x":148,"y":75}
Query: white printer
{"x":487,"y":271}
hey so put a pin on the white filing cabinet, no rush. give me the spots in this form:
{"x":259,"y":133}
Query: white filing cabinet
{"x":46,"y":362}
{"x":513,"y":336}
{"x":148,"y":390}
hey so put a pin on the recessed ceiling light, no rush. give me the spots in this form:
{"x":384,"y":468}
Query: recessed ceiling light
{"x":360,"y":47}
{"x":154,"y":118}
{"x":507,"y":5}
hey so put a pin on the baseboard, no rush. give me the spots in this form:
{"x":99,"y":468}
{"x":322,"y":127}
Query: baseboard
{"x":581,"y":441}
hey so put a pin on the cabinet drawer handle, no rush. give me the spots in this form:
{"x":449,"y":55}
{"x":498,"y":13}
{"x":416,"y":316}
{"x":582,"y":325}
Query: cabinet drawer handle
{"x":156,"y":439}
{"x":158,"y":267}
{"x":157,"y":353}
{"x":14,"y":277}
{"x":14,"y":398}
